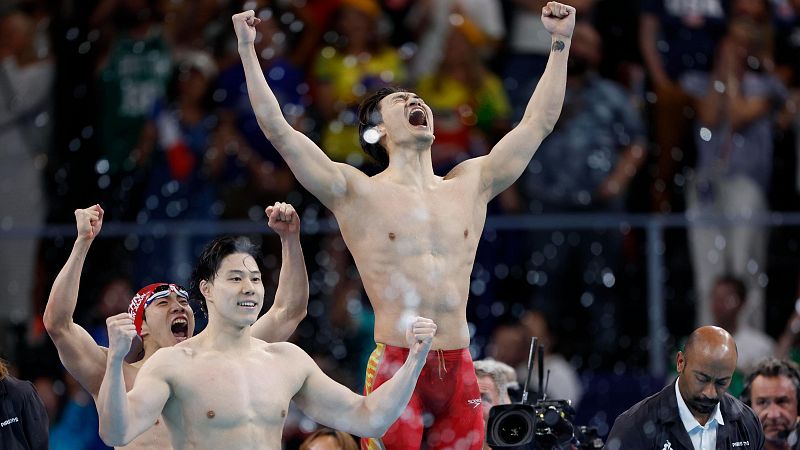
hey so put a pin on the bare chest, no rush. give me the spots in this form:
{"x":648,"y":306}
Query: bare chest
{"x":406,"y":223}
{"x":228,"y":393}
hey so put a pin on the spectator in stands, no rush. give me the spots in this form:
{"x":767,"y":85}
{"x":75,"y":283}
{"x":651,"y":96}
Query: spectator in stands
{"x":736,"y":105}
{"x":676,"y":38}
{"x":728,"y":300}
{"x":132,"y":76}
{"x":27,"y":77}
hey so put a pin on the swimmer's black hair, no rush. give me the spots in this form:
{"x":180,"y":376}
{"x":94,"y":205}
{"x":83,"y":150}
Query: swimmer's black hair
{"x":369,"y":115}
{"x":211,"y":258}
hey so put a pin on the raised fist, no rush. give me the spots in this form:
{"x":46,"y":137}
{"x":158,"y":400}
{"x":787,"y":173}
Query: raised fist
{"x":89,"y":221}
{"x":244,"y":24}
{"x":121,"y":332}
{"x":283,"y":219}
{"x":559,"y":19}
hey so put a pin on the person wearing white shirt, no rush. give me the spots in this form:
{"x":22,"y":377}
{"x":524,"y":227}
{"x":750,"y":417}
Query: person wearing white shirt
{"x":695,"y":412}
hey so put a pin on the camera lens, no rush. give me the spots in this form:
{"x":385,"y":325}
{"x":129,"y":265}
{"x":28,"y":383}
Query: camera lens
{"x":513,"y":429}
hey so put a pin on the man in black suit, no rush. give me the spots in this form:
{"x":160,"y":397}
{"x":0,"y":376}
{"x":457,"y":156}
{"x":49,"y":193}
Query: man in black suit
{"x":695,"y":412}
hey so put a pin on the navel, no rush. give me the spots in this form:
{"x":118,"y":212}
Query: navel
{"x":392,"y":236}
{"x":466,"y":233}
{"x":210,"y":414}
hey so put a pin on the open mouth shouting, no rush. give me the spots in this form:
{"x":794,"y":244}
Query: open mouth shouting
{"x":180,"y":328}
{"x":417,"y":117}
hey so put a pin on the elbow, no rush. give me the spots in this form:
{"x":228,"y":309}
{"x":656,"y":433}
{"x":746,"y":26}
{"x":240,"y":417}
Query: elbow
{"x":53,"y":323}
{"x":112,"y":439}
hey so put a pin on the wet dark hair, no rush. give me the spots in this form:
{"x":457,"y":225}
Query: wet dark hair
{"x":3,"y":369}
{"x":369,"y":115}
{"x":739,"y":288}
{"x":211,"y":258}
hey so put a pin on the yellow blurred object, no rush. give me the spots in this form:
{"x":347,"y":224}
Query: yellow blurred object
{"x":470,"y":30}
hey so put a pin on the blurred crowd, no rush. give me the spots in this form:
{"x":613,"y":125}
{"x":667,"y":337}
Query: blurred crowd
{"x":679,"y":106}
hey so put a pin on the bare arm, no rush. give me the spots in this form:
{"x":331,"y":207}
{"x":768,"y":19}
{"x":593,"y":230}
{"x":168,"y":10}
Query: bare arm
{"x":312,"y":167}
{"x":82,"y":357}
{"x":332,"y":404}
{"x":509,"y":158}
{"x":126,"y":415}
{"x":291,"y":297}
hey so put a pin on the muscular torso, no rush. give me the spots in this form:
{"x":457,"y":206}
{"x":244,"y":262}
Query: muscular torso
{"x":230,"y":400}
{"x":414,"y":249}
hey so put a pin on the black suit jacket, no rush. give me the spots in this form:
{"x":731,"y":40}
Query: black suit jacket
{"x":654,"y":423}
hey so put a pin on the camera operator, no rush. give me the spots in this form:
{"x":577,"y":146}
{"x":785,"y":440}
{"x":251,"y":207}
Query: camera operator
{"x":494,"y":380}
{"x":695,"y":411}
{"x":772,"y":391}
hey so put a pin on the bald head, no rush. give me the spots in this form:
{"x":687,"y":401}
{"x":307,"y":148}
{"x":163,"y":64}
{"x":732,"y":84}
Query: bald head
{"x":711,"y":343}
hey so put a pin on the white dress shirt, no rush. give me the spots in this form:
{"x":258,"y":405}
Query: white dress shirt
{"x":703,"y":437}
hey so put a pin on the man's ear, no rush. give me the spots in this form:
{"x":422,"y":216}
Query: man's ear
{"x":205,"y":289}
{"x":680,"y":362}
{"x":145,"y":328}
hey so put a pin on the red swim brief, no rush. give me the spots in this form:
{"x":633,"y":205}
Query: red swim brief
{"x":445,"y":410}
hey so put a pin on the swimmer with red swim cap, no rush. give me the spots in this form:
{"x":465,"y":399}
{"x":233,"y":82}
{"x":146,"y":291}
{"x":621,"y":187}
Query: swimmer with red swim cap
{"x":160,"y":313}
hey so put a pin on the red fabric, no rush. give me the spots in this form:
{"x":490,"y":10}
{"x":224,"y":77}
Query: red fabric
{"x":180,"y":160}
{"x":445,"y":408}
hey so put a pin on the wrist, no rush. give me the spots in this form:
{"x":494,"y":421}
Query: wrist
{"x":245,"y":48}
{"x":83,"y":243}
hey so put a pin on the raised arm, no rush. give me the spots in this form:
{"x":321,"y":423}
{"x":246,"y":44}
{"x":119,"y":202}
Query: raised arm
{"x":82,"y":357}
{"x":291,"y":297}
{"x":509,"y":158}
{"x":126,"y":415}
{"x":333,"y":405}
{"x":312,"y":167}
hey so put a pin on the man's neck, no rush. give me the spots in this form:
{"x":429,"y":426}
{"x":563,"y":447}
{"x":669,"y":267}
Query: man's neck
{"x":410,"y":166}
{"x":223,"y":335}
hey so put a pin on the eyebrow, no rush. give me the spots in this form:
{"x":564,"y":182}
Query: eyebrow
{"x":237,"y":272}
{"x":406,"y":95}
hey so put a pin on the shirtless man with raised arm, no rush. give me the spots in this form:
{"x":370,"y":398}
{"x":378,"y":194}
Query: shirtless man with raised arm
{"x":223,"y":389}
{"x":413,"y":234}
{"x":169,"y":318}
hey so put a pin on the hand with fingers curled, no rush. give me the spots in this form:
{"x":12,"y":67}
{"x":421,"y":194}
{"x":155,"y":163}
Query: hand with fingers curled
{"x":283,"y":219}
{"x":244,"y":24}
{"x":89,"y":222}
{"x":559,"y":19}
{"x":121,"y":331}
{"x":419,"y":335}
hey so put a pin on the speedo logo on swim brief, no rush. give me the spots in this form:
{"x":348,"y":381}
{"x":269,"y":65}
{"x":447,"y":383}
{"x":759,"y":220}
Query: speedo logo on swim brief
{"x":475,"y":402}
